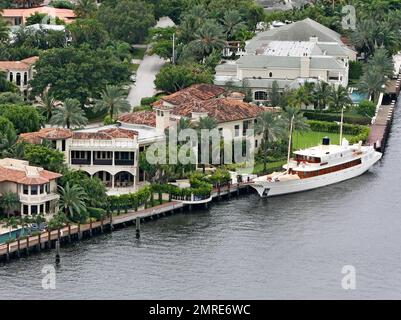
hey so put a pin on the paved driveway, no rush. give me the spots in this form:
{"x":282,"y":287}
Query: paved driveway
{"x":147,"y":71}
{"x":145,"y":77}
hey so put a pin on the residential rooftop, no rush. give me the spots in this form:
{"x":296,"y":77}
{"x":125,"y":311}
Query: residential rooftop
{"x":19,"y":171}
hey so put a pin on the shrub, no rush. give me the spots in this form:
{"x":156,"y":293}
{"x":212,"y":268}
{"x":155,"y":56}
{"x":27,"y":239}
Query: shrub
{"x":330,"y":117}
{"x":366,"y":108}
{"x":108,"y":120}
{"x":360,"y":133}
{"x":96,"y":213}
{"x":355,"y":70}
{"x":148,"y":101}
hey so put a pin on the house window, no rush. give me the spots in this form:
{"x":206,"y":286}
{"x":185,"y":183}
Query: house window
{"x":260,"y":95}
{"x":256,"y":143}
{"x":270,"y":74}
{"x":236,"y":129}
{"x":34,"y":190}
{"x":25,"y":78}
{"x":26,"y":209}
{"x":11,"y":77}
{"x":18,"y":81}
{"x":62,"y":145}
{"x":26,"y":189}
{"x":34,"y":210}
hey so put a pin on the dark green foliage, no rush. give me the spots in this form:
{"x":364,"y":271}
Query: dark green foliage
{"x":24,"y":118}
{"x":359,"y":132}
{"x":42,"y":156}
{"x":330,"y":117}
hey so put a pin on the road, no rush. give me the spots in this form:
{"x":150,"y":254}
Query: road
{"x":147,"y":71}
{"x":145,"y":77}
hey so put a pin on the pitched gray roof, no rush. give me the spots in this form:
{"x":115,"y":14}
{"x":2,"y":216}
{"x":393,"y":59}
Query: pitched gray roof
{"x":297,"y":31}
{"x":262,"y":61}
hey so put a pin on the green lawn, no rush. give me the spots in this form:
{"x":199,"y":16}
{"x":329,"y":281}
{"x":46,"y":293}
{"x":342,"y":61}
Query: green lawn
{"x":134,"y":67}
{"x":314,"y":138}
{"x":138,"y":53}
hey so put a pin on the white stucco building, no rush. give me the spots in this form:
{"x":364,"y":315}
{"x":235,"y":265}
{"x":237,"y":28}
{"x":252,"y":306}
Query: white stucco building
{"x":20,"y":72}
{"x":291,"y":55}
{"x":35,"y":187}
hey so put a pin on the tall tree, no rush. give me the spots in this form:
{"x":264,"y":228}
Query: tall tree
{"x":4,"y":29}
{"x":72,"y":200}
{"x":339,"y":98}
{"x":113,"y":99}
{"x":85,"y":8}
{"x":232,"y":23}
{"x":208,"y":38}
{"x":204,"y":123}
{"x":8,"y":136}
{"x":322,"y":93}
{"x":271,"y":128}
{"x":9,"y":201}
{"x":47,"y":104}
{"x":70,"y":114}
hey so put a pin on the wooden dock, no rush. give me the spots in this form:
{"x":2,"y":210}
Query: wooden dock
{"x":73,"y":232}
{"x":380,"y":128}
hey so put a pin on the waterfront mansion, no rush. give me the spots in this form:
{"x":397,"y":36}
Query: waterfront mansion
{"x":290,"y":55}
{"x":36,"y":187}
{"x":111,"y":152}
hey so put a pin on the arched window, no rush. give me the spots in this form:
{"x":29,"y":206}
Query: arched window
{"x":270,"y":74}
{"x":18,"y":79}
{"x":25,"y":78}
{"x":260,"y":95}
{"x":11,"y":77}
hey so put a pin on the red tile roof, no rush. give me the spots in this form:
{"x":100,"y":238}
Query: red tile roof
{"x":46,"y":133}
{"x":19,"y":175}
{"x":222,"y":109}
{"x":147,"y":118}
{"x":23,"y":65}
{"x":65,"y":14}
{"x":196,"y":92}
{"x":106,"y":134}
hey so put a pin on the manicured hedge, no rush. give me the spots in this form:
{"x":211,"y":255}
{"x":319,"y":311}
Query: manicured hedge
{"x":330,"y":116}
{"x":359,"y":133}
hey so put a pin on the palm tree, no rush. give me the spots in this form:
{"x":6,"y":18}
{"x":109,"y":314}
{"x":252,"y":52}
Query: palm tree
{"x":11,"y":223}
{"x":113,"y":100}
{"x":382,"y":62}
{"x":298,"y":120}
{"x":69,"y":114}
{"x":322,"y":93}
{"x":47,"y":104}
{"x":85,"y":8}
{"x":372,"y":83}
{"x":271,"y":128}
{"x":232,"y":23}
{"x":209,"y":37}
{"x":9,"y":202}
{"x":72,"y":199}
{"x":302,"y":96}
{"x":339,"y":98}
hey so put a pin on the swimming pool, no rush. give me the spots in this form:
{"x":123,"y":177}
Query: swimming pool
{"x":14,"y":234}
{"x":357,"y":96}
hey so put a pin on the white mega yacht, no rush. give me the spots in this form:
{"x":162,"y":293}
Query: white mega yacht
{"x":318,"y":166}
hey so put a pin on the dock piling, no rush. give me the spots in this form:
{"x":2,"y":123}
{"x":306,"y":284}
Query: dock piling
{"x":58,"y":259}
{"x":138,"y":227}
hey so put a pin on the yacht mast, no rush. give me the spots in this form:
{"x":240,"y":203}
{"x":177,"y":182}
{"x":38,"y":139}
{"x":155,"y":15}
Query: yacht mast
{"x":289,"y":144}
{"x":341,"y":126}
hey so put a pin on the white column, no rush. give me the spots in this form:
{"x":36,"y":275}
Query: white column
{"x":112,"y":181}
{"x":92,"y":155}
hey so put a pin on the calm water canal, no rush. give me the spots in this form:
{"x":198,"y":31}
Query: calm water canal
{"x":248,"y":248}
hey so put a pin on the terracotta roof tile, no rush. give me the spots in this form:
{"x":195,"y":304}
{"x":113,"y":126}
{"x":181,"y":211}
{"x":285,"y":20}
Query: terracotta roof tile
{"x":222,"y":109}
{"x":195,"y":92}
{"x":22,"y":65}
{"x":65,"y":14}
{"x":19,"y":175}
{"x":46,"y":133}
{"x":107,"y":134}
{"x":147,"y":118}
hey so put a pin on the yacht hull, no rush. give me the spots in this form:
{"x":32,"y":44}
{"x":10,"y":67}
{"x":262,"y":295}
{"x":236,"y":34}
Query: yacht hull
{"x":267,"y":188}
